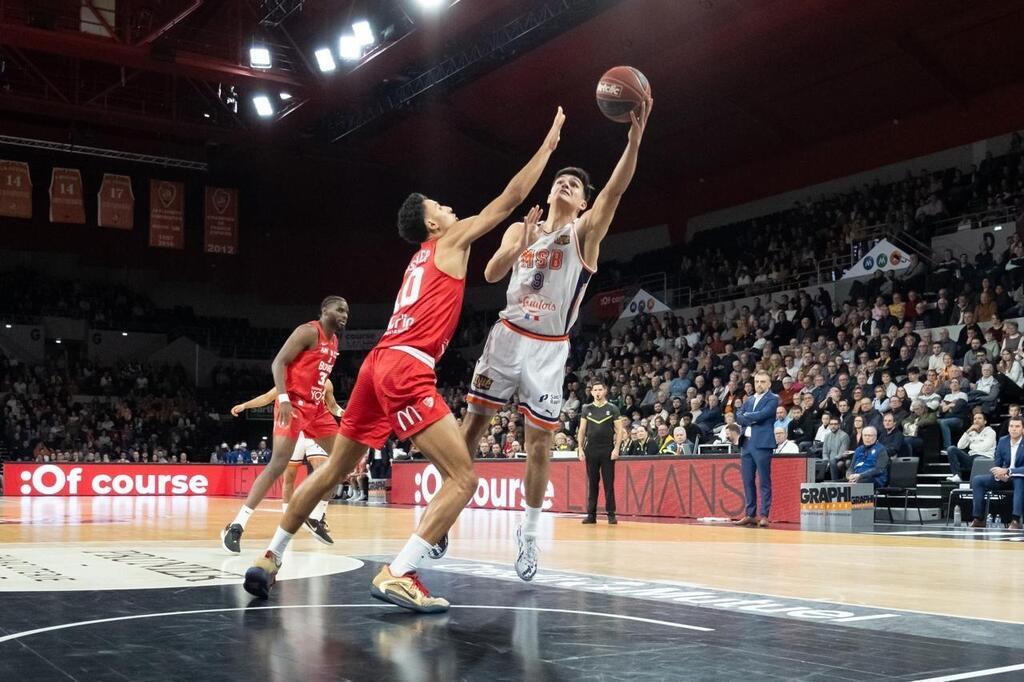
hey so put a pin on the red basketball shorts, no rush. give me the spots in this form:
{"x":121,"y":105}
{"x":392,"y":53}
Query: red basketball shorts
{"x":312,"y":419}
{"x":394,"y":393}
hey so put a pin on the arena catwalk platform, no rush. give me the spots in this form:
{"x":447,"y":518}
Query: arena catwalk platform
{"x":137,"y":587}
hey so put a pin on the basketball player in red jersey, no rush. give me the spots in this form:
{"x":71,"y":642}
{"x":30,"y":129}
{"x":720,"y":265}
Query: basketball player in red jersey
{"x":300,"y":374}
{"x":306,"y":451}
{"x":526,"y":352}
{"x":396,"y":390}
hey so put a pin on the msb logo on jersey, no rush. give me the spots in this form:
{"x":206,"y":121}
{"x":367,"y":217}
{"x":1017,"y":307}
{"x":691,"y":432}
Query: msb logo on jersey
{"x":482,"y":382}
{"x":562,"y":240}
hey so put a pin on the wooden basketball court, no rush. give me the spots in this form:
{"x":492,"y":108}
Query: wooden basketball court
{"x":104,"y":577}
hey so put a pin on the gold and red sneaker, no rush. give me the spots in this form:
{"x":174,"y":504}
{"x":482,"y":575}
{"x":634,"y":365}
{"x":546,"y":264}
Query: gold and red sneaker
{"x":262,"y":575}
{"x":406,"y":591}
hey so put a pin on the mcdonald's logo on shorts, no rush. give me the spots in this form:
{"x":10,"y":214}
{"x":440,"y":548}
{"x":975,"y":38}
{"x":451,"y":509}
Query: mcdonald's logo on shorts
{"x":408,"y":416}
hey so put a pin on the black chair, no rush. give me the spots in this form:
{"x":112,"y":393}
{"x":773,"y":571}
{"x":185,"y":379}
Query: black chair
{"x":981,"y":465}
{"x":902,"y":482}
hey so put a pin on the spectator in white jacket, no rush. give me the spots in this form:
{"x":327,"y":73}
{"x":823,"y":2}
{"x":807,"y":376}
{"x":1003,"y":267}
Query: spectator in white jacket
{"x":978,"y":441}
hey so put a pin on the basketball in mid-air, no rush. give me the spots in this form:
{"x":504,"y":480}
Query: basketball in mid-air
{"x":621,"y":91}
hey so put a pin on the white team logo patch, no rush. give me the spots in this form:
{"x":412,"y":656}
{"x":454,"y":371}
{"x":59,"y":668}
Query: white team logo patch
{"x":429,"y":402}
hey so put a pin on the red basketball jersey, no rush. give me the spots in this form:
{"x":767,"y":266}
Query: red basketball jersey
{"x":308,"y":372}
{"x":427,"y":308}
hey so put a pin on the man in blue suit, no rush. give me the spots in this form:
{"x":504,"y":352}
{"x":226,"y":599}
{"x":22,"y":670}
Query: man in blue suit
{"x":1007,"y":474}
{"x":757,"y":417}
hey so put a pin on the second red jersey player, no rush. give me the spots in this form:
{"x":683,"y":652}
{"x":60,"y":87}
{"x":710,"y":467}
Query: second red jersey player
{"x":301,"y":369}
{"x":396,"y":389}
{"x":305,"y":384}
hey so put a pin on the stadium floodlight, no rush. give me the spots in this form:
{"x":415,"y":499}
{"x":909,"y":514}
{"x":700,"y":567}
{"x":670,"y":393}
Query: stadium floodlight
{"x":263,"y":107}
{"x":285,"y":96}
{"x":430,"y":4}
{"x":349,"y":48}
{"x":259,"y":57}
{"x":325,"y":60}
{"x":363,"y":33}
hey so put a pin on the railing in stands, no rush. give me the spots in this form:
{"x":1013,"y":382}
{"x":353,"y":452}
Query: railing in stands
{"x":825,"y":270}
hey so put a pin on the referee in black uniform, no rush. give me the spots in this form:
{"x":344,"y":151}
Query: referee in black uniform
{"x":599,"y":438}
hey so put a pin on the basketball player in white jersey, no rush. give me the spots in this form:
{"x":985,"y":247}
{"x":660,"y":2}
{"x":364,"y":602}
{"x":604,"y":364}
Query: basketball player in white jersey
{"x":526,"y":351}
{"x":306,"y":450}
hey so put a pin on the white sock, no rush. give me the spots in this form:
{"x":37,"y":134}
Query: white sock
{"x":411,"y":555}
{"x":280,"y":542}
{"x":319,"y":510}
{"x":284,"y":506}
{"x":243,"y":516}
{"x":530,"y":519}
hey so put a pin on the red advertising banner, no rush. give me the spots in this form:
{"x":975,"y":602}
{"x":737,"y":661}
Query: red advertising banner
{"x":609,"y":304}
{"x":221,"y":224}
{"x":116,"y":202}
{"x":166,"y":214}
{"x":15,"y":190}
{"x":123,"y":480}
{"x":691,"y":487}
{"x":66,"y":196}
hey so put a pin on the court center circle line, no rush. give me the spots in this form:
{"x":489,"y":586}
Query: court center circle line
{"x":83,"y":623}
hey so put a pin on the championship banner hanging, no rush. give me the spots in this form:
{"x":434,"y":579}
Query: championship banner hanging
{"x":116,"y":202}
{"x":221,"y":224}
{"x":166,"y":214}
{"x":66,"y":204}
{"x":15,"y":190}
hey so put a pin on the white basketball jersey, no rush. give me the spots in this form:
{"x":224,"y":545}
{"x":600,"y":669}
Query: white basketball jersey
{"x":547,"y":285}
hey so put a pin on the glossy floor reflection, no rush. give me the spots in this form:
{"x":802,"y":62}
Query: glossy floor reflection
{"x":98,"y":589}
{"x":329,"y":628}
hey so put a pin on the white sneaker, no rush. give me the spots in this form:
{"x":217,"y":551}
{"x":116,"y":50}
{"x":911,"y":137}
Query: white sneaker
{"x":953,"y":479}
{"x":526,"y":559}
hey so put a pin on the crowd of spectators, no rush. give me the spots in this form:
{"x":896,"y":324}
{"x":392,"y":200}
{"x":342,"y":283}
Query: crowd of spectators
{"x":809,"y":239}
{"x":677,"y":381}
{"x":872,"y":360}
{"x":85,"y":413}
{"x":825,"y":228}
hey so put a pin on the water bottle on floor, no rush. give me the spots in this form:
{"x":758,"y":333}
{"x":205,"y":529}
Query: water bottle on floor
{"x":957,"y":518}
{"x":989,"y":521}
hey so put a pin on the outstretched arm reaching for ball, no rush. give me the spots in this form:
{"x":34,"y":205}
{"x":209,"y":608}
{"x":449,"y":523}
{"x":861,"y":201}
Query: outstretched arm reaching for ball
{"x":594,"y":224}
{"x":463,"y":233}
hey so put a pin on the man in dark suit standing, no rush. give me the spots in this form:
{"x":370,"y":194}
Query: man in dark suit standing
{"x":757,"y":417}
{"x":1007,"y":474}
